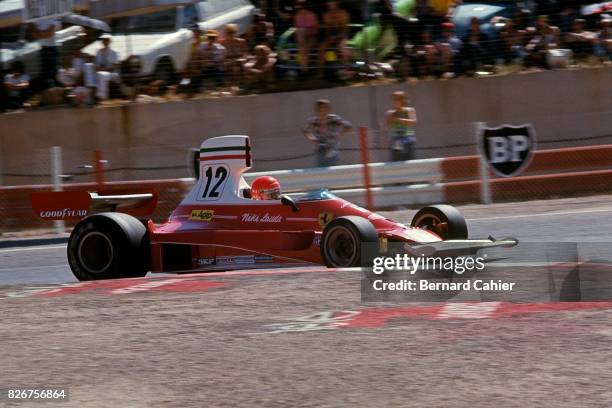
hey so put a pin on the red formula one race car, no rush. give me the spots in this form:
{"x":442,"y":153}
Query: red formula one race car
{"x":220,"y":226}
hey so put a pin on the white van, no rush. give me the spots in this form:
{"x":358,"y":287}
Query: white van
{"x":157,"y":44}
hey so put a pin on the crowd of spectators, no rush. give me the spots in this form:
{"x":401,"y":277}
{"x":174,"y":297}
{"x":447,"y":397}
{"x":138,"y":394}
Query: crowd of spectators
{"x":547,"y":35}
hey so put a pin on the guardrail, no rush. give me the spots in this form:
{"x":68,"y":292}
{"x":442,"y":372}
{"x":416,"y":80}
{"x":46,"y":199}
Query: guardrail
{"x":456,"y":180}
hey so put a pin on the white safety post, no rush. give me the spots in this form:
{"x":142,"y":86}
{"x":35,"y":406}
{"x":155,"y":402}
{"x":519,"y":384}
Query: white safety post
{"x":485,"y":184}
{"x":56,"y":179}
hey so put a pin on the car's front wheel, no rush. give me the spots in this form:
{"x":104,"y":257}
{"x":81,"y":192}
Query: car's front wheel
{"x":109,"y":246}
{"x":342,"y":239}
{"x":443,"y":220}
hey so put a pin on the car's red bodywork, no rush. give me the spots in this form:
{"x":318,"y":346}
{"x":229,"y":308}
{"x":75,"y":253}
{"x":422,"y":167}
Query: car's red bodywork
{"x":230,"y":235}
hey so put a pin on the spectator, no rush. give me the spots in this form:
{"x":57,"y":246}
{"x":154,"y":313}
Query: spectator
{"x":261,"y":31}
{"x":400,"y":122}
{"x":510,"y":43}
{"x":260,"y":70}
{"x":213,"y":58}
{"x":604,"y":39}
{"x":192,"y":80}
{"x":71,"y":73}
{"x":307,"y":27}
{"x":281,"y":12}
{"x":235,"y":56}
{"x":335,"y":31}
{"x":579,"y":40}
{"x":45,"y":33}
{"x":427,"y":57}
{"x":439,"y":10}
{"x":17,"y":85}
{"x":324,"y":130}
{"x":71,"y":77}
{"x":107,"y":67}
{"x":475,"y":49}
{"x":448,"y":48}
{"x":544,"y":39}
{"x":404,"y":28}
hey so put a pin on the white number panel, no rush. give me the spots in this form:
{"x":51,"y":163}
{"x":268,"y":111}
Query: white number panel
{"x":213,"y":180}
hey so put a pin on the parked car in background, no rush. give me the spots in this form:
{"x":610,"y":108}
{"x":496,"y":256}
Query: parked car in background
{"x":16,"y":48}
{"x":156,"y":45}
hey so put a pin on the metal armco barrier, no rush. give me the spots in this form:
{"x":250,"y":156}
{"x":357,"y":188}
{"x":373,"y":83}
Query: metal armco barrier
{"x":351,"y":176}
{"x":455,"y":180}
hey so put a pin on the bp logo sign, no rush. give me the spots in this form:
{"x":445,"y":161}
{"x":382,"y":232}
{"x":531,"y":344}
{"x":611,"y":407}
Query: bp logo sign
{"x":508,"y":149}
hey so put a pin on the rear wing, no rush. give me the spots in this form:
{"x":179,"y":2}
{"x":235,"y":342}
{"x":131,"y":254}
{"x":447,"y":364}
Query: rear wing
{"x":74,"y":205}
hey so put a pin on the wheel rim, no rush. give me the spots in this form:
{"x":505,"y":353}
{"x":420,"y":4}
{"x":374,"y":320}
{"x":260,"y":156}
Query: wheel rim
{"x":434,"y":224}
{"x":342,"y":248}
{"x":95,"y":252}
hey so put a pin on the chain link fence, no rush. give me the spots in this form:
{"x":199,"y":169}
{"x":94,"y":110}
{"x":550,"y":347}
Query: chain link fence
{"x":288,"y":46}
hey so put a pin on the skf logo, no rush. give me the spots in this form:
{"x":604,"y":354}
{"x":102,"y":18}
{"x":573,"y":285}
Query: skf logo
{"x":202,"y":215}
{"x":325,"y":218}
{"x":508,"y":149}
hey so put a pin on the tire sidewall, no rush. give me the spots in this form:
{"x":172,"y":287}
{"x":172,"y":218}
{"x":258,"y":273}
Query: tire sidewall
{"x":325,"y":244}
{"x":457,"y":226}
{"x":361,"y":230}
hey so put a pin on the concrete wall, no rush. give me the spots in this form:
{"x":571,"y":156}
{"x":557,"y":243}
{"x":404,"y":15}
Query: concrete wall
{"x":567,"y":108}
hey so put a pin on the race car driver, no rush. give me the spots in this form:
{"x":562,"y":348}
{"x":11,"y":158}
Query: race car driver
{"x":266,"y":188}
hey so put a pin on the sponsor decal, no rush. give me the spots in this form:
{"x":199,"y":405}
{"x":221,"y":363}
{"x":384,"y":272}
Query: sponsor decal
{"x":317,"y":240}
{"x":325,"y":218}
{"x":206,"y":261}
{"x":508,"y":149}
{"x":248,"y":217}
{"x":202,"y":215}
{"x":263,"y":259}
{"x":62,"y":214}
{"x":236,"y":260}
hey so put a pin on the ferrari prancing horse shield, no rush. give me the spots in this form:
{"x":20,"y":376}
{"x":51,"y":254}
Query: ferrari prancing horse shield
{"x":508,"y":149}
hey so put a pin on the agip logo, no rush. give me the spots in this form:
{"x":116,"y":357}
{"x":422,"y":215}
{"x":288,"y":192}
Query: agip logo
{"x":508,"y":149}
{"x":202,"y":215}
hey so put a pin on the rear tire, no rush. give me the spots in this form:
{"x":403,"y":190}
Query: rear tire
{"x":164,"y":72}
{"x":109,"y":246}
{"x":341,"y":241}
{"x":444,"y":220}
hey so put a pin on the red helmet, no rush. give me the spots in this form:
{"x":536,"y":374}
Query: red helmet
{"x":266,"y":188}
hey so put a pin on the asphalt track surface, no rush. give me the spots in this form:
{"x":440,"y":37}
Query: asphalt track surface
{"x":303,"y":337}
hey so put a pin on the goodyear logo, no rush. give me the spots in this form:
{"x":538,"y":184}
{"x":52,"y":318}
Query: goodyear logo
{"x":202,"y":215}
{"x":325,"y":218}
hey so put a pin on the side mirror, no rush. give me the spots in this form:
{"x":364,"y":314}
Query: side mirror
{"x":288,"y":201}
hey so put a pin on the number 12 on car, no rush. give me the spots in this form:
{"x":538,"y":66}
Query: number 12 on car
{"x":214,"y":178}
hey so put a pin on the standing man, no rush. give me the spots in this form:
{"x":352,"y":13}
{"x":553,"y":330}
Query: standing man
{"x":49,"y":53}
{"x":107,"y":67}
{"x":400,"y":122}
{"x":213,"y":58}
{"x":335,"y":33}
{"x":324,"y":130}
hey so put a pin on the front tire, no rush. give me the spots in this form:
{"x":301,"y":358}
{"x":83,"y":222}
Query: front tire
{"x":444,"y":220}
{"x":109,"y":246}
{"x":342,"y":239}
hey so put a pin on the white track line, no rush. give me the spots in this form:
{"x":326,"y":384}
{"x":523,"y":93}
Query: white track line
{"x":35,"y":248}
{"x":549,"y":214}
{"x":29,"y":268}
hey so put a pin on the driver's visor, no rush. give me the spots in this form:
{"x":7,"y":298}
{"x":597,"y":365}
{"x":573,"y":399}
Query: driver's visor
{"x":271,"y":194}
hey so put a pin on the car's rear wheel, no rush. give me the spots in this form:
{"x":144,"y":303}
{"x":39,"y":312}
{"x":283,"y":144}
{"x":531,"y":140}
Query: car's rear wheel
{"x":342,"y":239}
{"x":443,"y":220}
{"x":109,"y":246}
{"x":164,"y":73}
